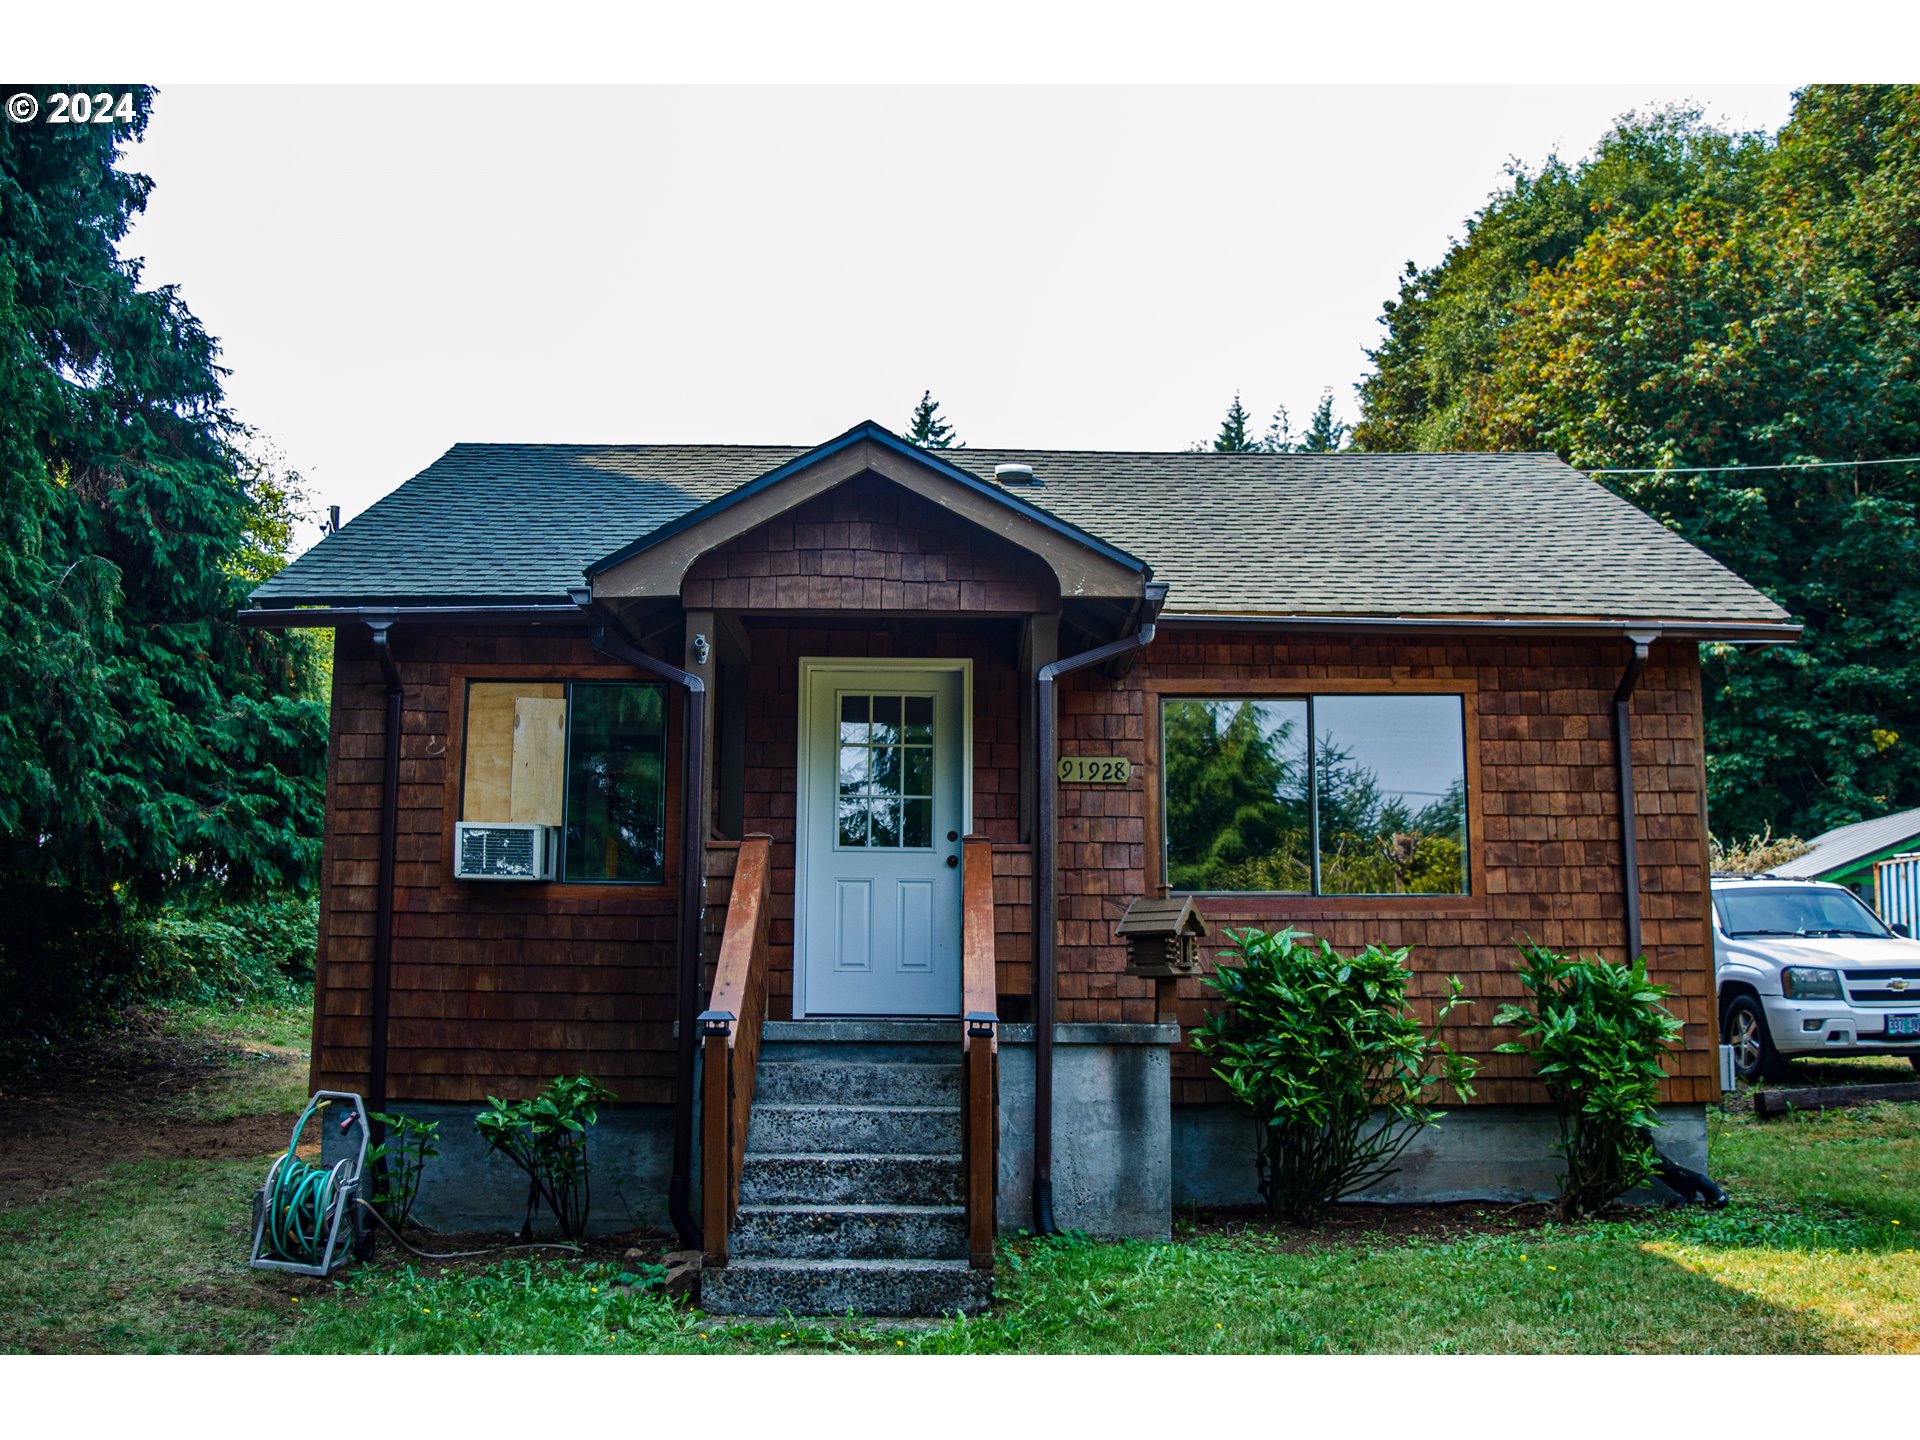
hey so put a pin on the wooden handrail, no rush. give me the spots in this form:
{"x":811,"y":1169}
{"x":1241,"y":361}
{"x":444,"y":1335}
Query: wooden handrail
{"x":730,"y":1043}
{"x":979,"y":1050}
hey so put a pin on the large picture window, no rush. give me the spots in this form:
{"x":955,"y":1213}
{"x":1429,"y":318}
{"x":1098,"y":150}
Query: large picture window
{"x":1316,"y":794}
{"x":589,"y":757}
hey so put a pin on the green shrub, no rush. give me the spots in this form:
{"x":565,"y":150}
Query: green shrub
{"x":261,"y":948}
{"x":400,"y":1160}
{"x":1339,"y":1074}
{"x":1596,"y":1031}
{"x":547,"y":1138}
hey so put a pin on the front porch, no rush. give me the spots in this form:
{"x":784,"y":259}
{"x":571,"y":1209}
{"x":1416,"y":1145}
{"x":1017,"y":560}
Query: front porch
{"x":874,"y":631}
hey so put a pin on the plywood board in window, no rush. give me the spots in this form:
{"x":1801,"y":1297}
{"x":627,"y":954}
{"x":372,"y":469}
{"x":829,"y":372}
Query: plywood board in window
{"x":539,"y":760}
{"x":488,"y":788}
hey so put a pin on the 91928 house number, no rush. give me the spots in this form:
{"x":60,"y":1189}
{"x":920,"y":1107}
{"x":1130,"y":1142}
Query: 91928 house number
{"x":1094,"y":770}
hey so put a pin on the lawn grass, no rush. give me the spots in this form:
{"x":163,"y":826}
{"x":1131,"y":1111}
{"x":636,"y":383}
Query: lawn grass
{"x":259,"y":1049}
{"x":1816,"y":1254}
{"x":1813,"y":1256}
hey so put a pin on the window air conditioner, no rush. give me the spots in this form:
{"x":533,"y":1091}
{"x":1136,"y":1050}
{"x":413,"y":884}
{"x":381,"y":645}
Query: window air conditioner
{"x":504,"y":852}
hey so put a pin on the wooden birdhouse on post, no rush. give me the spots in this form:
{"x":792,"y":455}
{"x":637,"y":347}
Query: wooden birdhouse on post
{"x":1163,"y":936}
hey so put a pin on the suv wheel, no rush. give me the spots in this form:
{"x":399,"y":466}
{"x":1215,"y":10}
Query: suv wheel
{"x":1743,"y":1025}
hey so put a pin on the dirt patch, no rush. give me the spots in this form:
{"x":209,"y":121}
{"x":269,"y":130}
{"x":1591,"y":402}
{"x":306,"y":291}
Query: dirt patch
{"x":1365,"y":1224}
{"x":126,"y":1096}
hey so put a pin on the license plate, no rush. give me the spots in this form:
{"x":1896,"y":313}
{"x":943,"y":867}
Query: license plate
{"x":1903,"y":1027}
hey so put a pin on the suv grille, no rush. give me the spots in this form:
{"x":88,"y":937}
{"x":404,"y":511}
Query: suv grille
{"x":1888,"y":986}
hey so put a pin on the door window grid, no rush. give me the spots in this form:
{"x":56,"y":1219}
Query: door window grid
{"x":885,"y":772}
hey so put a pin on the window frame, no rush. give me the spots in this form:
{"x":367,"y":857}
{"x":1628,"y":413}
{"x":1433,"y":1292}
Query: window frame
{"x":1298,"y":688}
{"x":461,"y":677}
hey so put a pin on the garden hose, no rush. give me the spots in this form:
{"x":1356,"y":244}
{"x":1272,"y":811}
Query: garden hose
{"x":300,"y":1201}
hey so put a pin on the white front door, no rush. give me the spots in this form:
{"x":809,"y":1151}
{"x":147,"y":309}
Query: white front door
{"x":883,"y":804}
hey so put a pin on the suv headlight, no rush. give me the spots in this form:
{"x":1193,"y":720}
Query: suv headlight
{"x":1801,"y":982}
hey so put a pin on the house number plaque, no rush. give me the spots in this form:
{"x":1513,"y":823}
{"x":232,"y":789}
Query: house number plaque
{"x":1094,"y":770}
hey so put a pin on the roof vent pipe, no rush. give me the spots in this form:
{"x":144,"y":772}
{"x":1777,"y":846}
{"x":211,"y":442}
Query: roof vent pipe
{"x":1016,"y":474}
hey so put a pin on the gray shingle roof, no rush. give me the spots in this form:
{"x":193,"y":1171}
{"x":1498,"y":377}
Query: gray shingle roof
{"x":1454,"y":534}
{"x":1840,"y":848}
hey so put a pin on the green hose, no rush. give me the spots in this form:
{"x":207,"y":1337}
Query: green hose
{"x":300,"y":1203}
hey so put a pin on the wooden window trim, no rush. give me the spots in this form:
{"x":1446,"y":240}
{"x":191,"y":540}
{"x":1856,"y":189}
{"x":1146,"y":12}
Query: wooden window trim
{"x":460,"y":676}
{"x":1261,"y":903}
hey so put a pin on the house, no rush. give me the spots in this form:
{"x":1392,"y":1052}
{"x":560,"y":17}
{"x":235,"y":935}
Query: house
{"x":1850,"y":854}
{"x":847,"y":760}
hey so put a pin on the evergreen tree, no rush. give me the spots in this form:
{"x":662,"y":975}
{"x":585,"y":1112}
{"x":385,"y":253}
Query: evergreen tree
{"x":146,"y":741}
{"x":1235,"y":435}
{"x":929,"y":429}
{"x":1692,"y":299}
{"x":1324,"y":432}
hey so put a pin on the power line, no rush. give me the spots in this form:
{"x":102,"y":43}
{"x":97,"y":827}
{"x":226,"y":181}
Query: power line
{"x":1800,"y":465}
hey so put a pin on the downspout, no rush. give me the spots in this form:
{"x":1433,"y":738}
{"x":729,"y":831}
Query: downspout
{"x":692,"y":846}
{"x":1045,"y":889}
{"x":1641,"y":640}
{"x":381,"y":631}
{"x":1687,"y":1185}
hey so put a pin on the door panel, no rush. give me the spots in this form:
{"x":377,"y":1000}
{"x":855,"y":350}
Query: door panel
{"x":883,"y":776}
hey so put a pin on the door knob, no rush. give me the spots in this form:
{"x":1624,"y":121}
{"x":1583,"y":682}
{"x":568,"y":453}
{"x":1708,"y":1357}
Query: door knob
{"x":952,"y":861}
{"x":953,"y":834}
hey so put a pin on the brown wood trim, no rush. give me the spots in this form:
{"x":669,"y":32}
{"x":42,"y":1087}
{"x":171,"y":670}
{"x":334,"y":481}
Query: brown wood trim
{"x":979,"y":1117}
{"x":1317,"y":907}
{"x":732,"y":1053}
{"x":458,"y":678}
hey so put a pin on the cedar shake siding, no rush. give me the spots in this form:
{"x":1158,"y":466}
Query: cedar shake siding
{"x":496,"y":988}
{"x":1543,"y":821}
{"x":870,"y":545}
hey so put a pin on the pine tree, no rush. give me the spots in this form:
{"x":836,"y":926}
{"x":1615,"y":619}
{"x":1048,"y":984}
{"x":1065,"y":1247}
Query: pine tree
{"x":1324,"y":432}
{"x":929,"y":429}
{"x":1235,"y":437}
{"x":147,"y":743}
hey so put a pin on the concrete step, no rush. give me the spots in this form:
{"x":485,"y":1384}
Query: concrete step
{"x":869,"y":1129}
{"x":854,"y":1232}
{"x":851,"y":1179}
{"x":856,"y":1083}
{"x":834,"y":1287}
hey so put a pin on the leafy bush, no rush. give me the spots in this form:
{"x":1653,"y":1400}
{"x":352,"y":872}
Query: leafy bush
{"x":547,"y":1138}
{"x":260,"y":948}
{"x":1339,"y":1074}
{"x":1597,"y":1031}
{"x":400,"y":1160}
{"x":70,"y":959}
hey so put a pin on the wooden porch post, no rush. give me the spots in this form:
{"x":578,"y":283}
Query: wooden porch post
{"x":1039,"y":645}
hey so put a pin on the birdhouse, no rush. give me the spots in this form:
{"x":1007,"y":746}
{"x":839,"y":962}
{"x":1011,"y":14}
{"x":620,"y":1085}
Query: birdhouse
{"x":1163,"y":936}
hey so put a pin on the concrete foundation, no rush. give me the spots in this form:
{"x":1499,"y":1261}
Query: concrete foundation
{"x":1112,"y":1113}
{"x":1480,"y":1152}
{"x":465,"y":1188}
{"x":1113,"y":1171}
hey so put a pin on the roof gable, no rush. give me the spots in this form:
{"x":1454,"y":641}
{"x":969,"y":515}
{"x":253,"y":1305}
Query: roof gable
{"x":656,"y":563}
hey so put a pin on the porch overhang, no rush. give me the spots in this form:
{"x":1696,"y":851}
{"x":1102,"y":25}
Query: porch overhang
{"x":650,"y":570}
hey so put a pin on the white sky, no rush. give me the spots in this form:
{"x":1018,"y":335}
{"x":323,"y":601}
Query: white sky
{"x":393,"y":270}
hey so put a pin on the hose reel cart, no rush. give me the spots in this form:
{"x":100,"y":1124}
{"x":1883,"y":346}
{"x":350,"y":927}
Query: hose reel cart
{"x":307,"y":1218}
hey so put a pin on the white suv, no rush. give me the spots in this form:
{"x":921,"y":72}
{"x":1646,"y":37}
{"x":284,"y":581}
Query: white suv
{"x":1805,"y":968}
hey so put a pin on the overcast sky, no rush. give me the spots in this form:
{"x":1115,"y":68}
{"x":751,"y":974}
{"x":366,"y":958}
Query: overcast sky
{"x":394,"y":270}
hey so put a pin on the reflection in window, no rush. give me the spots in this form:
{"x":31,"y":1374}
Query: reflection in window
{"x":1390,"y":789}
{"x":885,"y":772}
{"x":1380,"y":809}
{"x":616,"y":820}
{"x":1236,"y":778}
